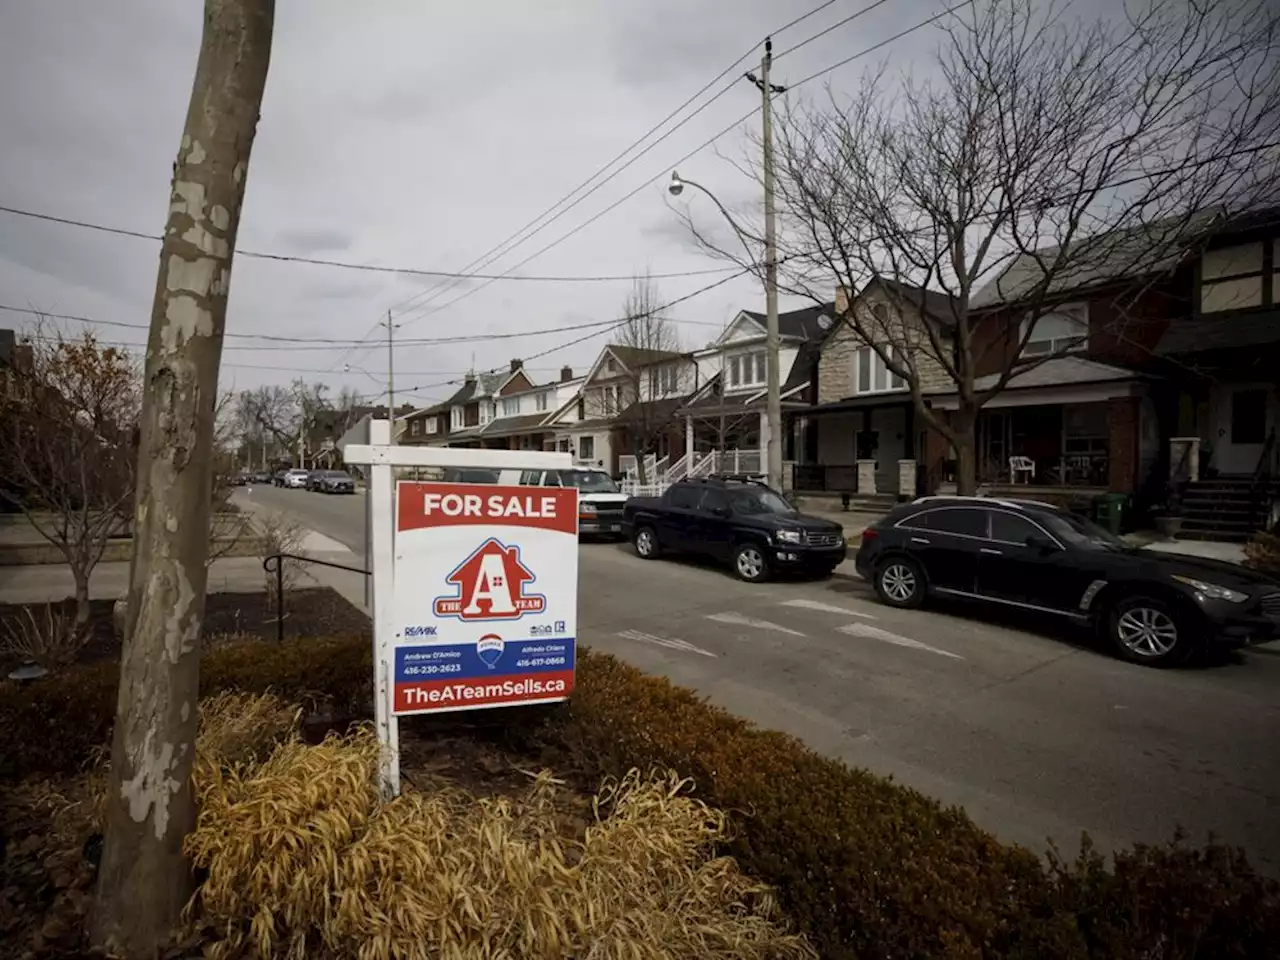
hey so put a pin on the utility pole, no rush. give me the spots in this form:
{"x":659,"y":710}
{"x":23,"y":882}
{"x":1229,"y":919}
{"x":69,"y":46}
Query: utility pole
{"x":391,"y":376}
{"x":144,"y":878}
{"x":773,"y":401}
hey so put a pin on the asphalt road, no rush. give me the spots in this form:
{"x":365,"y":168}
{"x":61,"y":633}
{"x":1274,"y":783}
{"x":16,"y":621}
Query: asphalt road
{"x":1036,"y":733}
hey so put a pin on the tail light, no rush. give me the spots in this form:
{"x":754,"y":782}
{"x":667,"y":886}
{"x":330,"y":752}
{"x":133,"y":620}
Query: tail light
{"x":871,"y":533}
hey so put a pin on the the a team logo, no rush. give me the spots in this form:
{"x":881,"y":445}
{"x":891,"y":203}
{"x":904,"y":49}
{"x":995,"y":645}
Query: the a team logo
{"x":491,"y":585}
{"x":489,"y":648}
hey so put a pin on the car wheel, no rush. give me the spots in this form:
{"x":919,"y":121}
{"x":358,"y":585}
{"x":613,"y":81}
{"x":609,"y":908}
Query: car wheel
{"x":749,"y":563}
{"x":1149,"y":631}
{"x":646,"y":543}
{"x":899,"y":582}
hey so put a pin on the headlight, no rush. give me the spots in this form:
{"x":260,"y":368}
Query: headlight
{"x":787,"y":536}
{"x":586,"y":508}
{"x":1212,"y":591}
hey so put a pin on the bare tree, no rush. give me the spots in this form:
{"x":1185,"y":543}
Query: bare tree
{"x":144,"y":880}
{"x":66,"y":448}
{"x":1044,"y":154}
{"x":654,"y":380}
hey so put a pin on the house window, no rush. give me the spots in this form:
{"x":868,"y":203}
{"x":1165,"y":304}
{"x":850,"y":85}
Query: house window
{"x":662,"y":381}
{"x":587,"y":448}
{"x":1232,"y":278}
{"x":747,"y":370}
{"x":415,"y":427}
{"x":540,"y":402}
{"x":486,"y":411}
{"x":870,"y":375}
{"x":1060,"y":331}
{"x":610,"y":365}
{"x":510,"y":406}
{"x":433,"y":425}
{"x":455,"y":418}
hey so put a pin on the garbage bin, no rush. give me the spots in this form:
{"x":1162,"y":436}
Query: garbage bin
{"x":1108,"y":511}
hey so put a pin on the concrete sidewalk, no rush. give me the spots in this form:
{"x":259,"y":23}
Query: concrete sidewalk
{"x":47,"y":582}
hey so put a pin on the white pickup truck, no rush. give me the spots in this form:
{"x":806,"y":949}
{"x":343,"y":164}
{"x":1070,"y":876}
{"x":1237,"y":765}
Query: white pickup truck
{"x":600,"y":502}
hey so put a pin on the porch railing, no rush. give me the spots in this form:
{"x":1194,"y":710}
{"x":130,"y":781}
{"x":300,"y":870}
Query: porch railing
{"x":275,"y":564}
{"x":824,"y":478}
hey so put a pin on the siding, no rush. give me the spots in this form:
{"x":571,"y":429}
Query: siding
{"x":835,"y":365}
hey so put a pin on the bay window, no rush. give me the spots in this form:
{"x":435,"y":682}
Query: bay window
{"x":1236,"y":278}
{"x":746,"y":370}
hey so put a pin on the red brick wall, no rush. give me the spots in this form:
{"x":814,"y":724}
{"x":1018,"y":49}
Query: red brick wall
{"x":1122,"y":472}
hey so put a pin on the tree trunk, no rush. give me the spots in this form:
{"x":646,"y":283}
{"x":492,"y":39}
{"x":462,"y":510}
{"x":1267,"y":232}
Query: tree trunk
{"x":144,"y":880}
{"x":964,"y":426}
{"x":83,"y":610}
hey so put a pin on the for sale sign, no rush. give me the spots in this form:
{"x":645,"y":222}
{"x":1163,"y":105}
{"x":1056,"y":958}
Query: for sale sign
{"x":485,"y":595}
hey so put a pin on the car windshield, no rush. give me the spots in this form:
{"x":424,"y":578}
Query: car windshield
{"x":1080,"y":532}
{"x":758,"y":500}
{"x":589,"y":481}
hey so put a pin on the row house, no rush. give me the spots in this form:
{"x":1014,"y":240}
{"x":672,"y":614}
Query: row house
{"x":1162,"y":368}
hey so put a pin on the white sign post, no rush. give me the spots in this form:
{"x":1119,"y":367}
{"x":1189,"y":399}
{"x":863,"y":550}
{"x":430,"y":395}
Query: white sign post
{"x":475,"y":586}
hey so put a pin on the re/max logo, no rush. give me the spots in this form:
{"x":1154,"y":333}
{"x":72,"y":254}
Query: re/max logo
{"x":417,"y":631}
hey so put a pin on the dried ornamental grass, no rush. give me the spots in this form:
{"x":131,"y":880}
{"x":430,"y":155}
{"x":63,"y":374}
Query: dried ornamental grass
{"x":303,"y":859}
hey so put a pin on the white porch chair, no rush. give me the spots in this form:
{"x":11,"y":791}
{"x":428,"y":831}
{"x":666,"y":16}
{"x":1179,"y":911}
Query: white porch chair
{"x":1024,"y":466}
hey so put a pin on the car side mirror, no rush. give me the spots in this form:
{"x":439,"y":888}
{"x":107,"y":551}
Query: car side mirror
{"x":1041,"y":543}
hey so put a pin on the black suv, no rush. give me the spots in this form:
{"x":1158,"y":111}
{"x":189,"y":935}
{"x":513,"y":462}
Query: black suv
{"x":1154,"y":608}
{"x":736,"y":520}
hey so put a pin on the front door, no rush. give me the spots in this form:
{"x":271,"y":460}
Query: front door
{"x":1243,"y":421}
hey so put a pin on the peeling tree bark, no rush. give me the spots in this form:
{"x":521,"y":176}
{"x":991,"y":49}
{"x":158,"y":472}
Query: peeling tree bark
{"x":144,"y":880}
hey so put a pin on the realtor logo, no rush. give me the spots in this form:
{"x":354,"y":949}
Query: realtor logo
{"x":491,"y":585}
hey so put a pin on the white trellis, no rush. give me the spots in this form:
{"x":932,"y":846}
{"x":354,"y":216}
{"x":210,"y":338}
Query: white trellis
{"x":382,"y":458}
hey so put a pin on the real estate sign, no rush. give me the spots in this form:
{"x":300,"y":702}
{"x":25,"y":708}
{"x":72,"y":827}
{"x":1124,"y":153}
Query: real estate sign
{"x":485,"y":595}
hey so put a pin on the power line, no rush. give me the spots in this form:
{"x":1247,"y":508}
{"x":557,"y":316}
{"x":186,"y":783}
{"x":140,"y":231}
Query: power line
{"x":515,"y":239}
{"x":323,"y":343}
{"x":365,"y":267}
{"x":621,"y":322}
{"x":747,"y":116}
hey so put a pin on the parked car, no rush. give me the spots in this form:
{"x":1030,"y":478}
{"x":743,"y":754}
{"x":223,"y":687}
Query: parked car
{"x":335,"y":481}
{"x":742,"y":521}
{"x":278,"y":477}
{"x":296,"y":479}
{"x":600,"y":502}
{"x":261,"y":476}
{"x":1154,"y":608}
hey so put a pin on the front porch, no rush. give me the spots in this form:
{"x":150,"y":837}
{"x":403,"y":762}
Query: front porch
{"x":865,"y":446}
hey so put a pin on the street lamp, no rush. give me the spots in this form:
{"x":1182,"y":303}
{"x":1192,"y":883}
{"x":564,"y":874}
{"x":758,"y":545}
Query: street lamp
{"x":773,"y":406}
{"x":773,"y":398}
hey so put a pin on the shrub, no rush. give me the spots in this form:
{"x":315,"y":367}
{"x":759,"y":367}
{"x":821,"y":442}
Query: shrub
{"x":1263,"y":552}
{"x":866,"y":867}
{"x":55,"y":724}
{"x":51,"y":639}
{"x":302,"y":856}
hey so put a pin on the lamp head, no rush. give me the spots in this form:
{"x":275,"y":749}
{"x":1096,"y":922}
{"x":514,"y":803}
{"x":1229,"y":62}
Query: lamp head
{"x":676,"y":186}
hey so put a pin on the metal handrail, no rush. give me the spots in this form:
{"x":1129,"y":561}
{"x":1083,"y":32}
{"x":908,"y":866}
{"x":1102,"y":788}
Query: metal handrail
{"x":275,"y":564}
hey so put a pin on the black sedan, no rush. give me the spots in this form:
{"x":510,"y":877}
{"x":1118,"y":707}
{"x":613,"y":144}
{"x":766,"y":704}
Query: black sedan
{"x":1153,"y":608}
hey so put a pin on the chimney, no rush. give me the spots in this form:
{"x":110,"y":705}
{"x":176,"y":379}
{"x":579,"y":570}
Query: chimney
{"x":566,"y":374}
{"x":516,"y":365}
{"x":842,"y":301}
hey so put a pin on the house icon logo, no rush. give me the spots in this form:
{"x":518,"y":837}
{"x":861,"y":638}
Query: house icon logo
{"x":491,"y":585}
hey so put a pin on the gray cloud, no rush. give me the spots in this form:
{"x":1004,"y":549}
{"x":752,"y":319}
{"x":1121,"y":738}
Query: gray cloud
{"x":402,"y":134}
{"x":314,"y":240}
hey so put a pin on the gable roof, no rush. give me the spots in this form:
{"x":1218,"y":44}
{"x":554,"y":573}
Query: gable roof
{"x":803,"y":324}
{"x":1098,"y":259}
{"x":934,"y":304}
{"x":632,"y":357}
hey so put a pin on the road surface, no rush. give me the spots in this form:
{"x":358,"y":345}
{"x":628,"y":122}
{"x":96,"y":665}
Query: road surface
{"x":1023,"y":723}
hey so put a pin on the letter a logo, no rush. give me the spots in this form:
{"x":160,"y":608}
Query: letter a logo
{"x":490,"y":585}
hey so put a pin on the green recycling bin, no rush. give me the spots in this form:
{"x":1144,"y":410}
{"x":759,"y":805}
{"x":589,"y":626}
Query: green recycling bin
{"x":1108,"y":511}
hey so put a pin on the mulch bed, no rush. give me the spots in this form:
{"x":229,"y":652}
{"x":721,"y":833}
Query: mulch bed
{"x":311,"y":612}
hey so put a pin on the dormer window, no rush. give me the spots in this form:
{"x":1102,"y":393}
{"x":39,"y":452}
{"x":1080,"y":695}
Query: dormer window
{"x":1235,"y":278}
{"x":1061,"y":330}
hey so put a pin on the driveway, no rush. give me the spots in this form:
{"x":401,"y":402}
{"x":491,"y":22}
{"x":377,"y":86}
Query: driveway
{"x":1035,"y":732}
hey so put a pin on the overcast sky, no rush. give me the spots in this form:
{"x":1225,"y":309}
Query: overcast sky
{"x":396,"y":133}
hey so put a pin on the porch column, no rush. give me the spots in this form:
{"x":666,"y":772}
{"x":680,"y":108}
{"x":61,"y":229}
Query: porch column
{"x":867,"y":477}
{"x":1122,"y":443}
{"x":688,"y":439}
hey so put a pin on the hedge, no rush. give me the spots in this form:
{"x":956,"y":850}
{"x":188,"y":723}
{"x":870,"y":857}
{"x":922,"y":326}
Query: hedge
{"x":865,"y":866}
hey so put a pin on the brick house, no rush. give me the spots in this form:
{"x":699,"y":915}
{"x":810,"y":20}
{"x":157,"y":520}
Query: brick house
{"x":1171,"y":371}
